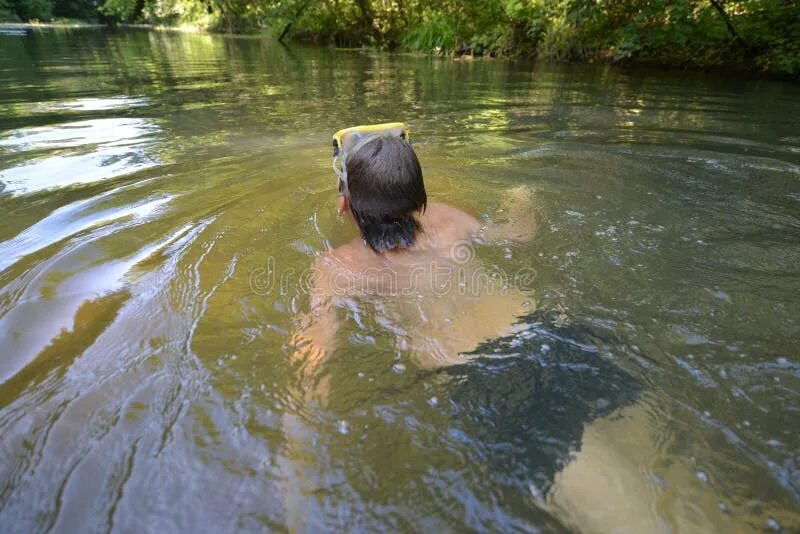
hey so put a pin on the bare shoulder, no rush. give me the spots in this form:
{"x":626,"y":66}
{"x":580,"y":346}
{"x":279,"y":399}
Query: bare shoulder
{"x":352,"y":257}
{"x":449,"y":221}
{"x":345,"y":254}
{"x":440,"y":209}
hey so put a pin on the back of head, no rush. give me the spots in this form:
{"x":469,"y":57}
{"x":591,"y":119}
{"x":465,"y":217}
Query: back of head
{"x":385,"y":185}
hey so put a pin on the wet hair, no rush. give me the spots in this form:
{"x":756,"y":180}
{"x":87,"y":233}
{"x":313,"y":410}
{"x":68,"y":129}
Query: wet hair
{"x":385,"y":186}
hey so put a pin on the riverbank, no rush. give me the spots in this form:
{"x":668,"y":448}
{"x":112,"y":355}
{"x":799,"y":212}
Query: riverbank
{"x":440,"y":43}
{"x":49,"y":25}
{"x":182,"y":28}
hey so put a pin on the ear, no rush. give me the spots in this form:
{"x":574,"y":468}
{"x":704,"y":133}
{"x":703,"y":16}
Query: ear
{"x":344,"y":205}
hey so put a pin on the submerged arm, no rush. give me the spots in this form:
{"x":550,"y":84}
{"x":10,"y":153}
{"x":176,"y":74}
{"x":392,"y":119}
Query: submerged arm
{"x":518,"y":222}
{"x":314,"y":337}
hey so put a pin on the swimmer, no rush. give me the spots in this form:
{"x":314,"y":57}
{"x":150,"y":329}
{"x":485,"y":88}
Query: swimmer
{"x":405,"y":243}
{"x":393,"y":273}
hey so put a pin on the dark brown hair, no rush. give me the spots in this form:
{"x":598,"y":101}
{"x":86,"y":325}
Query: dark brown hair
{"x":385,"y":187}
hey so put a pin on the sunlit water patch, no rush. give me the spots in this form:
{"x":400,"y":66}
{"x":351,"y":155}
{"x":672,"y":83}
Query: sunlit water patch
{"x":76,"y":153}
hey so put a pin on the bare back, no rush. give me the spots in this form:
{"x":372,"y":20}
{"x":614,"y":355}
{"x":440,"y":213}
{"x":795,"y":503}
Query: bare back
{"x":435,"y":296}
{"x":443,"y":227}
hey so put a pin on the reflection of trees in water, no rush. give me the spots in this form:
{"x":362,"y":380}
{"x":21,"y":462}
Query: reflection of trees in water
{"x":477,"y":444}
{"x":530,"y":396}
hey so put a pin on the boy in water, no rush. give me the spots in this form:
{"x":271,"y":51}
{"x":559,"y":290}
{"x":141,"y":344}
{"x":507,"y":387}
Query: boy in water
{"x":403,"y":273}
{"x":418,"y":253}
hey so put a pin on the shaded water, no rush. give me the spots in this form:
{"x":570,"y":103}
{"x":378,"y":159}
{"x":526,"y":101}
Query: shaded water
{"x":150,"y":376}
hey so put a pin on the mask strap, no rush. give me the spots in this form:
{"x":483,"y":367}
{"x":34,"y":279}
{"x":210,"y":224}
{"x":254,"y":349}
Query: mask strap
{"x":339,"y":167}
{"x":340,"y":158}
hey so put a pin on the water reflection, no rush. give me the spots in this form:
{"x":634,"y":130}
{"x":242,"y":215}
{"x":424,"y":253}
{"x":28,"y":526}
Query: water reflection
{"x":101,"y":149}
{"x":529,"y":403}
{"x":78,"y":105}
{"x":69,"y":221}
{"x":31,"y":327}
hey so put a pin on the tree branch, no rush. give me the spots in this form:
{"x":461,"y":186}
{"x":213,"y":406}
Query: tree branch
{"x":297,"y":14}
{"x":728,"y":22}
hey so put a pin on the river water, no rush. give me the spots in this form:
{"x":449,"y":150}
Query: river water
{"x":163,"y":194}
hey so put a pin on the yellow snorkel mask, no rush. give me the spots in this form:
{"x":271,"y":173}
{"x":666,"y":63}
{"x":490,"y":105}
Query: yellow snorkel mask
{"x":348,"y":140}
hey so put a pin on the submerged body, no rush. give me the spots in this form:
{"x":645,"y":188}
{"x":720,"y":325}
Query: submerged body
{"x":434,"y":297}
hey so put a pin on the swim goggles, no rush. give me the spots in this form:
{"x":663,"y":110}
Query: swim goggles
{"x":349,"y":140}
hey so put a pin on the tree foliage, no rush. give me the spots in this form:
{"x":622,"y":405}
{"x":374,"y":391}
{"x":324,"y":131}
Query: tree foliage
{"x":29,"y":9}
{"x":762,"y":34}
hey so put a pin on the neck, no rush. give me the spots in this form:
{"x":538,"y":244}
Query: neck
{"x":387,"y":233}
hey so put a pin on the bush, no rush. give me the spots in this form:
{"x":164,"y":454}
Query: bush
{"x":32,"y":10}
{"x":75,"y":9}
{"x":756,"y":34}
{"x":121,"y":10}
{"x":7,"y":14}
{"x":435,"y":33}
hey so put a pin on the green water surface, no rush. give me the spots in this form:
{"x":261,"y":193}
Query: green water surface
{"x":163,"y":194}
